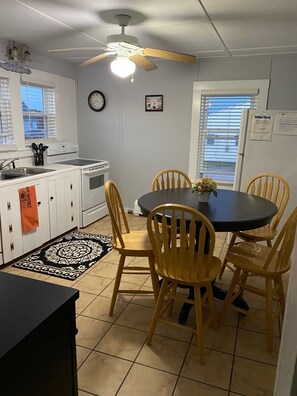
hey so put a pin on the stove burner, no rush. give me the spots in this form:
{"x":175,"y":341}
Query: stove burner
{"x":80,"y":162}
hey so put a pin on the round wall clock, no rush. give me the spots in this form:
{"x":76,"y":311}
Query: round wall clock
{"x":96,"y":100}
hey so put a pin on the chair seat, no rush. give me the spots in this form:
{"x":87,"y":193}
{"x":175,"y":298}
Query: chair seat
{"x":177,"y":271}
{"x":136,"y":243}
{"x":260,"y":234}
{"x":251,"y":257}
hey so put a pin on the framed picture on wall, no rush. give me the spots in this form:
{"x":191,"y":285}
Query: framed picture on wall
{"x":153,"y":102}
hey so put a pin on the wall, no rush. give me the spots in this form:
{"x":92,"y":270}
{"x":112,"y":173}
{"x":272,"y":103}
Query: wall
{"x":44,"y":71}
{"x":137,"y":144}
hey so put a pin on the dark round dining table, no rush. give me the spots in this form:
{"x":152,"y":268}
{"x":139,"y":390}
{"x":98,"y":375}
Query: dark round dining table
{"x":229,"y":211}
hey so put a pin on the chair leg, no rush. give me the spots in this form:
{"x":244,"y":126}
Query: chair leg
{"x":229,"y":295}
{"x":269,"y":314}
{"x":154,"y":277}
{"x":269,"y":244}
{"x":117,"y":284}
{"x":157,"y":311}
{"x":281,"y":295}
{"x":212,"y":306}
{"x":232,"y":241}
{"x":173,"y":291}
{"x":199,"y":324}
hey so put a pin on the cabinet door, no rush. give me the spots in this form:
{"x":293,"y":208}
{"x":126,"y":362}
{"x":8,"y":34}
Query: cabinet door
{"x":63,"y":203}
{"x":12,"y":238}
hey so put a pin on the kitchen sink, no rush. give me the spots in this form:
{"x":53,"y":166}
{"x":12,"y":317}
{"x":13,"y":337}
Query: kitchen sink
{"x":22,"y":172}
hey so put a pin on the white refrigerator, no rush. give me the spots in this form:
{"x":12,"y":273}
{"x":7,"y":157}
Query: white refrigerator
{"x":268,"y":144}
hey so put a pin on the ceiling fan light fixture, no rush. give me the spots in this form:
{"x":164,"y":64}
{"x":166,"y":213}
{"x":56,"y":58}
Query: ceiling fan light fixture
{"x":122,"y":67}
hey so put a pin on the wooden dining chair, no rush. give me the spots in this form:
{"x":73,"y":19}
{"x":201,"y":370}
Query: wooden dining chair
{"x":171,"y":178}
{"x":250,"y":258}
{"x":128,"y":244}
{"x":183,"y":262}
{"x":276,"y":189}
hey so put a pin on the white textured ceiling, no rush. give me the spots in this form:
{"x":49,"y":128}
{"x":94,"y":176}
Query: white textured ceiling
{"x":206,"y":28}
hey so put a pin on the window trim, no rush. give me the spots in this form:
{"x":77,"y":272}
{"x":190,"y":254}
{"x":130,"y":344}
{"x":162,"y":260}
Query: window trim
{"x":27,"y":80}
{"x":213,"y":87}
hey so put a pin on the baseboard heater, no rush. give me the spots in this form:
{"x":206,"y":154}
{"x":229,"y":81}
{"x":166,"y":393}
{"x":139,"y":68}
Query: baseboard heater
{"x":136,"y":209}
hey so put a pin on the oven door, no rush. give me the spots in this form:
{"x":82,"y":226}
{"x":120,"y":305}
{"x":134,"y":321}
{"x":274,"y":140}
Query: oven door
{"x":93,"y":181}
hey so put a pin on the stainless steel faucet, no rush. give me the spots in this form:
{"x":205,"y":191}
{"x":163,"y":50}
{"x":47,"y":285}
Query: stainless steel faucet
{"x":2,"y":166}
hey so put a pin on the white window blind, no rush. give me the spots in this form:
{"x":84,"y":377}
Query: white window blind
{"x":6,"y":127}
{"x":219,"y":128}
{"x":39,"y":111}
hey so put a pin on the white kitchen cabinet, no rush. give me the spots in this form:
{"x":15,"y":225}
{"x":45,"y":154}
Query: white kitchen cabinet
{"x":14,"y":242}
{"x":58,"y":212}
{"x":63,"y":203}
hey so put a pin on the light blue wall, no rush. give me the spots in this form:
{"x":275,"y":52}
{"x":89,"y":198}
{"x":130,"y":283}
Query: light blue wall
{"x":139,"y":144}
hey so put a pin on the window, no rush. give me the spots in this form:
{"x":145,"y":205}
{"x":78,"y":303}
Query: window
{"x":39,"y":111}
{"x":6,"y":129}
{"x":220,"y":118}
{"x":216,"y":121}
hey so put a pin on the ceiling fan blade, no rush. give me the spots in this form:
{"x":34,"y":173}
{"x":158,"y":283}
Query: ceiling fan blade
{"x":96,"y":59}
{"x":52,"y":51}
{"x":143,"y":62}
{"x":176,"y":56}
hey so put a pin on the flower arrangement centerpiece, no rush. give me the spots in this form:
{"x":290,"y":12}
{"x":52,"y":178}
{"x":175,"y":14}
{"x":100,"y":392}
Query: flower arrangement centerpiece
{"x":204,"y":187}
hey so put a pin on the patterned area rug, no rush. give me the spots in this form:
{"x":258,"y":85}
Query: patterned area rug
{"x":68,"y":257}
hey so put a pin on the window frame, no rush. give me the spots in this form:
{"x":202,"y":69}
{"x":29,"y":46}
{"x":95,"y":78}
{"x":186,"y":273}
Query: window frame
{"x":40,"y":84}
{"x":219,"y":87}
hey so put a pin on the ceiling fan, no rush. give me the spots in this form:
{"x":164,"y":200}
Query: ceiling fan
{"x":128,"y":52}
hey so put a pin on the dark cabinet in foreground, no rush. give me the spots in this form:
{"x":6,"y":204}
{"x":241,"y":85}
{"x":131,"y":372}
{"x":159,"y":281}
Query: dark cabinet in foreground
{"x":37,"y":338}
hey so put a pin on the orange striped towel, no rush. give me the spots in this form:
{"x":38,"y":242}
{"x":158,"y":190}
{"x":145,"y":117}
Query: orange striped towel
{"x":29,"y":211}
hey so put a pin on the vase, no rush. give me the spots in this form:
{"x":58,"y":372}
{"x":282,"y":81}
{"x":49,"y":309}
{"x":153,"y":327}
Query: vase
{"x":204,"y":197}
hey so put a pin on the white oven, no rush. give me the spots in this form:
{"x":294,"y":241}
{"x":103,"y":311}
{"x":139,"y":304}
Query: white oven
{"x":93,"y":175}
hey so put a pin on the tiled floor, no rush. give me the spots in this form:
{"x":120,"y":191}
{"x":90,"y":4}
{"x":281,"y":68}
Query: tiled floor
{"x":112,"y":355}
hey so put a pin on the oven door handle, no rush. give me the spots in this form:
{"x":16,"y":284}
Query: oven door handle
{"x":98,"y":171}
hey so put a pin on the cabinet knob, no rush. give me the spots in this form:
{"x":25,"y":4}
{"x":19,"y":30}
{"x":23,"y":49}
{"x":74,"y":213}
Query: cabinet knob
{"x":72,"y":218}
{"x":12,"y":246}
{"x":71,"y":187}
{"x":8,"y":205}
{"x":51,"y":198}
{"x":38,"y":203}
{"x":71,"y":204}
{"x":10,"y":228}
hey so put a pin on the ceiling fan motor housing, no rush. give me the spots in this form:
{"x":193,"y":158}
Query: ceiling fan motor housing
{"x":115,"y":39}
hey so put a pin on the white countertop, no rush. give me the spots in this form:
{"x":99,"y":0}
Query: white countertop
{"x":58,"y":168}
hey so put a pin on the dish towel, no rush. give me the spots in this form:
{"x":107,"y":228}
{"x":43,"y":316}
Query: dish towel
{"x":29,"y":211}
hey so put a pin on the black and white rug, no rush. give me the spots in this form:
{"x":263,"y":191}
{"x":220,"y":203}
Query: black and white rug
{"x":68,"y":257}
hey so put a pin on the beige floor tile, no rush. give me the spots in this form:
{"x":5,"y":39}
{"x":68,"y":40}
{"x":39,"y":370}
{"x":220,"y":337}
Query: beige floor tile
{"x":34,"y":275}
{"x":231,"y":318}
{"x":216,"y":371}
{"x":186,"y":387}
{"x":62,"y":282}
{"x":177,"y":333}
{"x":99,"y":309}
{"x":252,"y":378}
{"x":92,"y":284}
{"x":163,"y":354}
{"x":114,"y":257}
{"x":82,"y":393}
{"x":104,"y":269}
{"x":83,"y":301}
{"x":11,"y":270}
{"x":253,"y":345}
{"x":90,"y":331}
{"x":102,"y":375}
{"x":122,"y":342}
{"x":81,"y":355}
{"x":136,"y":317}
{"x":126,"y":297}
{"x":146,"y":381}
{"x":249,"y":323}
{"x":147,"y":300}
{"x":220,"y":340}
